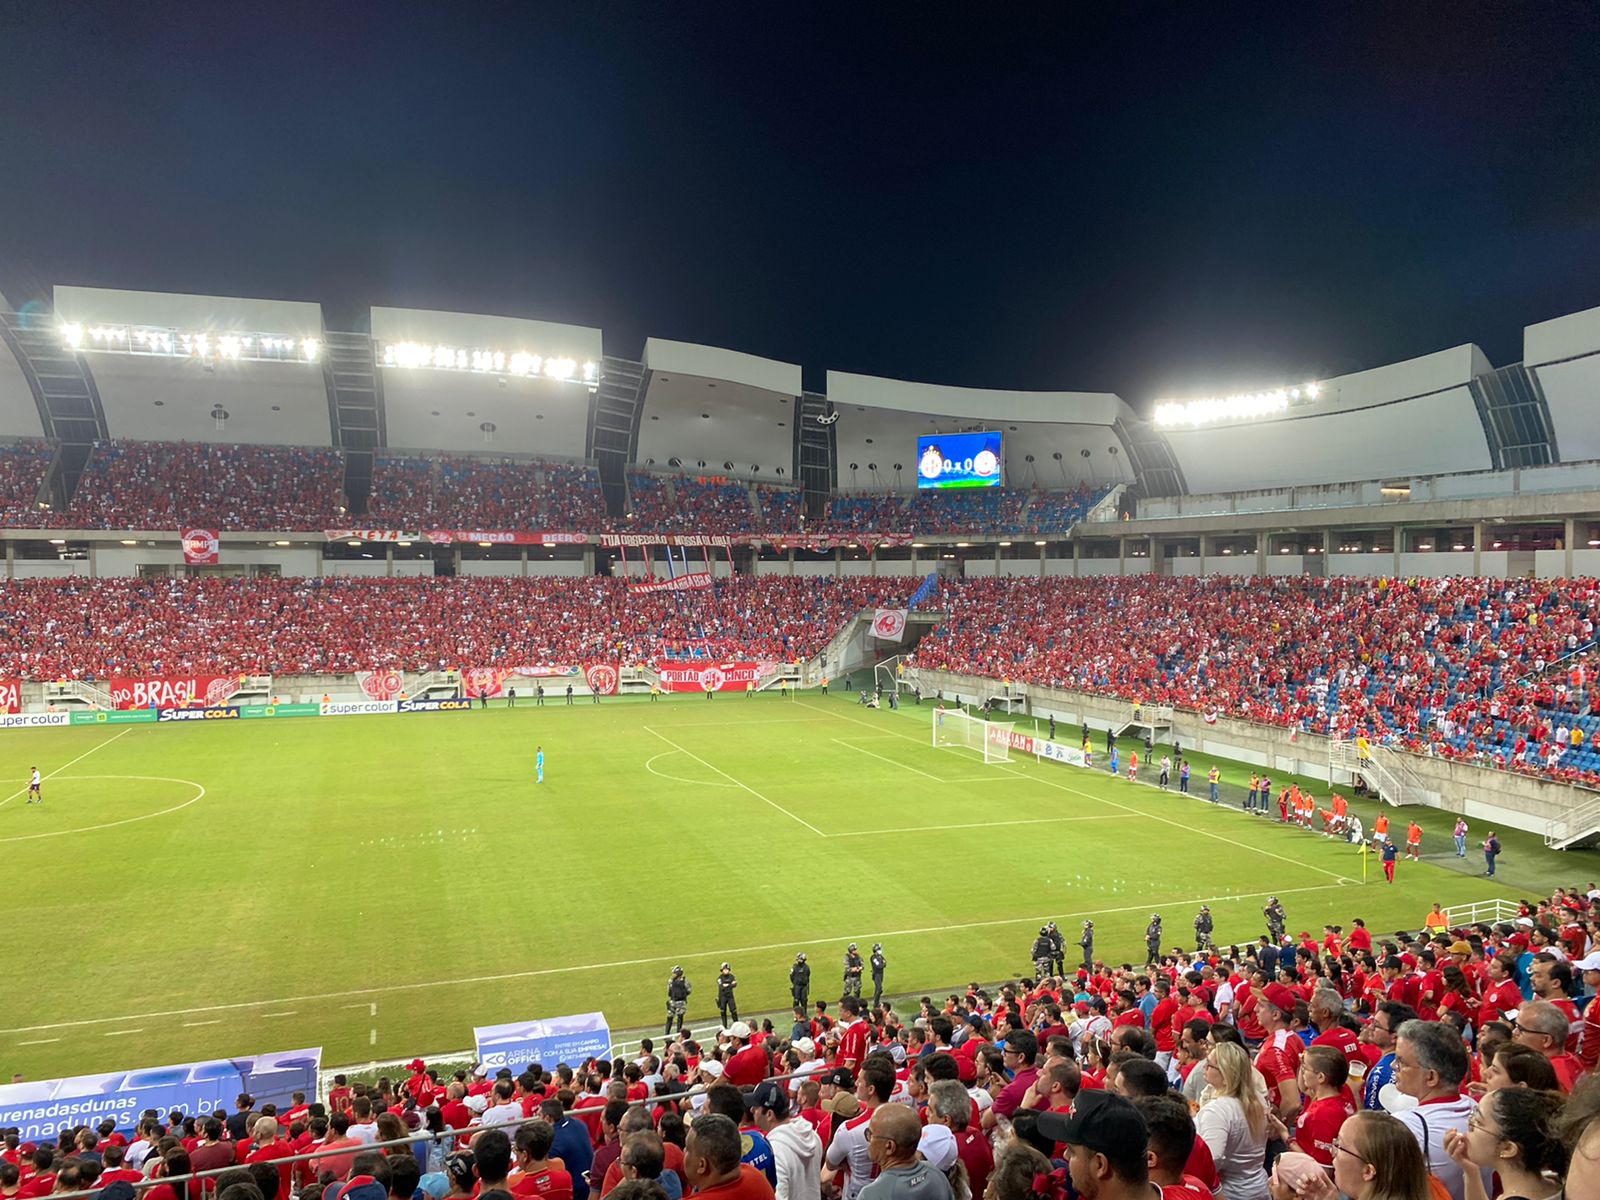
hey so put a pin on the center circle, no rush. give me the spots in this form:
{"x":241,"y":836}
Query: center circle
{"x":102,"y":804}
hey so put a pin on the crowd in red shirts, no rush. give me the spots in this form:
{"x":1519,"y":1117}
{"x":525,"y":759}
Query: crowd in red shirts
{"x":86,"y":629}
{"x":22,"y":470}
{"x":1325,"y":1043}
{"x":460,"y":492}
{"x":1454,"y":667}
{"x":210,"y":485}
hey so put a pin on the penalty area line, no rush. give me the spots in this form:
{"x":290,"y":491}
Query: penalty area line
{"x":736,"y":783}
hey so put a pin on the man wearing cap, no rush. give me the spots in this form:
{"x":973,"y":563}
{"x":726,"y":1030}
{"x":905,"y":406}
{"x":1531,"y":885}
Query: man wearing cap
{"x":727,"y":1006}
{"x":1589,"y":1037}
{"x":796,"y":1148}
{"x":1106,"y":1140}
{"x":1278,"y":1060}
{"x":892,"y":1143}
{"x":748,"y":1065}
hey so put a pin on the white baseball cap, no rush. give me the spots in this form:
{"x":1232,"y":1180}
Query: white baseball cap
{"x":712,"y":1068}
{"x":1592,"y":963}
{"x":938,"y":1146}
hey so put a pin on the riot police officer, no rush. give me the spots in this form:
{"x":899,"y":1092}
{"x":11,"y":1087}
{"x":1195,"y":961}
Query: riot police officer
{"x":877,"y":962}
{"x":1041,"y":952}
{"x":1152,"y":939}
{"x":1086,"y":943}
{"x":1202,"y":929}
{"x":727,"y":1006}
{"x":1277,"y":919}
{"x":800,"y":982}
{"x":1058,"y":950}
{"x":853,"y":966}
{"x":678,"y":989}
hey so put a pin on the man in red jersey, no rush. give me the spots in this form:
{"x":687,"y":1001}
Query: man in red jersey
{"x":535,"y":1176}
{"x":1543,"y":1026}
{"x":269,"y":1147}
{"x":853,"y":1039}
{"x":1501,"y":996}
{"x":1279,"y":1057}
{"x":1161,"y":1024}
{"x":1589,"y":1038}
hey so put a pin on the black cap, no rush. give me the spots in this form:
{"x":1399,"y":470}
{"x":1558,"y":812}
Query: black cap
{"x":1101,"y":1121}
{"x":769,"y":1094}
{"x":839,"y":1077}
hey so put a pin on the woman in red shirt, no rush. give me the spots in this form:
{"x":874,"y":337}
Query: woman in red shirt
{"x":173,"y":1163}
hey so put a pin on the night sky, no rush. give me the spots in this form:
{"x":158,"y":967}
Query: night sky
{"x":1152,"y":200}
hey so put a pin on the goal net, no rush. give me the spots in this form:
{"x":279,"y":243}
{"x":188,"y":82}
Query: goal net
{"x":955,"y":730}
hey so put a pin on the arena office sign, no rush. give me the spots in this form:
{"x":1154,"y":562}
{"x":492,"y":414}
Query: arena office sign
{"x":550,"y":1040}
{"x":42,"y":1108}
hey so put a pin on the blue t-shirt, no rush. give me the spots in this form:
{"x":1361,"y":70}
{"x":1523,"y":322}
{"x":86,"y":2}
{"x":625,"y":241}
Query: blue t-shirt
{"x":574,"y":1147}
{"x":1377,"y":1078}
{"x":758,"y":1153}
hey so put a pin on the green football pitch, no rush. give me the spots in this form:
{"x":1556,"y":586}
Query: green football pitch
{"x":379,"y":885}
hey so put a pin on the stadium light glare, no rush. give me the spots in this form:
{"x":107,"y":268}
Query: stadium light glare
{"x":166,"y":342}
{"x":1239,"y":406}
{"x":72,"y":334}
{"x":522,"y":364}
{"x":130,"y":541}
{"x":401,"y":544}
{"x":1039,"y":543}
{"x":353,"y":542}
{"x":280,"y":543}
{"x":310,"y":348}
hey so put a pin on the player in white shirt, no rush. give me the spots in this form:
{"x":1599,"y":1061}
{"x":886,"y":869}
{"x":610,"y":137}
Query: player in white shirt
{"x":35,"y":796}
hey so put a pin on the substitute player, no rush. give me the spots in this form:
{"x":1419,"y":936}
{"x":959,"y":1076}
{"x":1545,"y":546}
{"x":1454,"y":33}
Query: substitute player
{"x":35,"y":796}
{"x":538,"y":763}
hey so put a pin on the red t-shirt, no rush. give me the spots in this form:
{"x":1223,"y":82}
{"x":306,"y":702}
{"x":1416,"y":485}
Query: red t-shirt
{"x":1201,"y":1165}
{"x":1161,"y":1026}
{"x":852,"y":1045}
{"x":125,"y":1175}
{"x":37,"y":1185}
{"x":1278,"y":1061}
{"x":751,"y":1185}
{"x":1318,"y":1124}
{"x":975,"y":1153}
{"x":271,"y":1152}
{"x":1499,"y":999}
{"x":546,"y":1184}
{"x":748,"y":1067}
{"x":1190,"y":1189}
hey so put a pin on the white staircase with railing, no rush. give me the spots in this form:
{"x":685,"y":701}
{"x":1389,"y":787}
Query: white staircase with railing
{"x":1385,"y":771}
{"x":1493,"y":912}
{"x":1154,"y":717}
{"x":426,"y":683}
{"x":74,"y":693}
{"x":1578,"y":826}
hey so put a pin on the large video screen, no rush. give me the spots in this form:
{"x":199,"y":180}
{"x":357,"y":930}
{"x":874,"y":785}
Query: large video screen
{"x":959,"y":460}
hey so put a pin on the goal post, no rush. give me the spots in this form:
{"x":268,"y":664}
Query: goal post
{"x":956,"y":730}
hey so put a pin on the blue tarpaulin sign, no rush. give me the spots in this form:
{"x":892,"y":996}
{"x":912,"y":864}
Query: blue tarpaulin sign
{"x":550,"y":1041}
{"x":44,"y":1108}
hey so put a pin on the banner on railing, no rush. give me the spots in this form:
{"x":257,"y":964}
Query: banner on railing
{"x":201,"y":547}
{"x":10,"y":695}
{"x":130,"y":716}
{"x":711,"y":540}
{"x":552,"y":1040}
{"x":172,"y":691}
{"x":445,"y":537}
{"x":43,"y":1108}
{"x":33,"y":720}
{"x":356,"y":708}
{"x":694,"y":581}
{"x":381,"y":685}
{"x":497,"y":681}
{"x":713,"y":677}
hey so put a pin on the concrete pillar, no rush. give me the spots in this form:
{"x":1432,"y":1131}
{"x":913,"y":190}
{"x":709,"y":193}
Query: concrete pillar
{"x":872,"y":558}
{"x":588,"y":560}
{"x":791,"y":562}
{"x":1399,"y":548}
{"x":523,"y":558}
{"x":1076,"y":556}
{"x":838,"y":562}
{"x":1207,"y":546}
{"x":1041,"y":550}
{"x":1263,"y":545}
{"x":1122,"y":556}
{"x":94,"y":571}
{"x":1567,"y":543}
{"x":997,"y":560}
{"x":11,"y":559}
{"x":1477,"y":548}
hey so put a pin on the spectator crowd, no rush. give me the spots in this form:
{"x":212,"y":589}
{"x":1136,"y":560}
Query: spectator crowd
{"x":1455,"y":1063}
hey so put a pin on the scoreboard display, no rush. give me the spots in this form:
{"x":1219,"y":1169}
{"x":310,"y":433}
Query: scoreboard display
{"x":959,"y":460}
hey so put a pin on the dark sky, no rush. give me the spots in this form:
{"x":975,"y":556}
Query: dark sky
{"x":1143,"y":199}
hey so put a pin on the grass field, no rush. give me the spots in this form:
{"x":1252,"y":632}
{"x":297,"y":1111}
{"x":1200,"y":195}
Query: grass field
{"x":379,"y":885}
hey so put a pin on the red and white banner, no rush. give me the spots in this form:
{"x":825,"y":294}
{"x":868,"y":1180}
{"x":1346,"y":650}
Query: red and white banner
{"x":496,"y":681}
{"x":602,"y":678}
{"x":667,"y":539}
{"x":200,"y":546}
{"x":713,"y":677}
{"x":10,"y":695}
{"x":381,"y":685}
{"x":889,"y":624}
{"x":694,"y":581}
{"x":445,"y":537}
{"x":172,"y":691}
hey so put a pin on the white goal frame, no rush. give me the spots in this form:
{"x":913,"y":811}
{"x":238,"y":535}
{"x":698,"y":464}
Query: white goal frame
{"x":954,"y":729}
